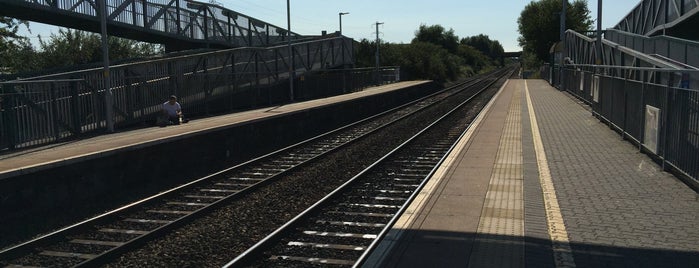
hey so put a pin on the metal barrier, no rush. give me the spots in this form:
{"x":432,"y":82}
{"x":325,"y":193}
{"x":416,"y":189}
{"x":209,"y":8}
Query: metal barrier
{"x":40,"y":112}
{"x":47,"y":109}
{"x":655,"y":110}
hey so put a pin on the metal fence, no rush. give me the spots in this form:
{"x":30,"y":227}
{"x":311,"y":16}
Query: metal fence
{"x":49,"y":108}
{"x":656,"y":109}
{"x":40,"y":112}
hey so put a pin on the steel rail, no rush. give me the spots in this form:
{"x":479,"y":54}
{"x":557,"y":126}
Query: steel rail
{"x":257,"y":250}
{"x":106,"y":218}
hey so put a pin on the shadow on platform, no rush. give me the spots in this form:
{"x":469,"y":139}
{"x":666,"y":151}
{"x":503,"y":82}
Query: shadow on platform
{"x":454,"y":249}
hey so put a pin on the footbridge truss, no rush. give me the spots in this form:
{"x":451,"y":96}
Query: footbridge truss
{"x":663,"y":17}
{"x":178,"y":24}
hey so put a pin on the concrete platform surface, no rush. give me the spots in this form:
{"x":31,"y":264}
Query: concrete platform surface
{"x":537,"y":181}
{"x":31,"y":160}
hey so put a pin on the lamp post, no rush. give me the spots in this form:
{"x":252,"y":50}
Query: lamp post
{"x":340,"y":15}
{"x":291,"y":53}
{"x":378,"y":44}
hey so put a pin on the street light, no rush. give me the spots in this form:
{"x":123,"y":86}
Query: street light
{"x":340,"y":15}
{"x":291,"y":52}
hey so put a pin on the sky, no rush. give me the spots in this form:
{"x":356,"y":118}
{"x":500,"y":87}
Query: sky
{"x":497,"y":19}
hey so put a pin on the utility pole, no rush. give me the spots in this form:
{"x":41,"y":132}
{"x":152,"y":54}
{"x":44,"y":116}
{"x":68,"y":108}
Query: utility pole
{"x":378,"y":44}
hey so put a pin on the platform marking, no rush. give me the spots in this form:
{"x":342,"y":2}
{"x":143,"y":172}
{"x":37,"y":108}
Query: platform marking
{"x":429,"y":190}
{"x":562,"y":253}
{"x":499,"y":240}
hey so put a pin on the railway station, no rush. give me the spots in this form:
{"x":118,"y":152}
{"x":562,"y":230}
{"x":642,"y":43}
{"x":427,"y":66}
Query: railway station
{"x":314,"y":163}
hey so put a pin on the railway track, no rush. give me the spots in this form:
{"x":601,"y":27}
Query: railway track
{"x":342,"y":228}
{"x":100,"y":239}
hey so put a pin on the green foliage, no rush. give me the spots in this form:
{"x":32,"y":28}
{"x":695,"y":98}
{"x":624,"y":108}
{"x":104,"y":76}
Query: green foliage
{"x":436,"y":34}
{"x":9,"y":29}
{"x":490,"y":48}
{"x":539,"y":24}
{"x":66,"y":48}
{"x":530,"y":61}
{"x":429,"y":61}
{"x":15,"y":51}
{"x":473,"y":57}
{"x":72,"y":47}
{"x":434,"y":54}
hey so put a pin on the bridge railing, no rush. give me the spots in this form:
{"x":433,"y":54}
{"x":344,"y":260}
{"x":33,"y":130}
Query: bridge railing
{"x":154,"y":20}
{"x":681,"y":50}
{"x":42,"y":110}
{"x":661,"y":118}
{"x":651,"y":17}
{"x":581,"y":50}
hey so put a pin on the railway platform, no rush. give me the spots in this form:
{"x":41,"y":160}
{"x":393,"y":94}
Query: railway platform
{"x":537,"y":181}
{"x":62,"y":154}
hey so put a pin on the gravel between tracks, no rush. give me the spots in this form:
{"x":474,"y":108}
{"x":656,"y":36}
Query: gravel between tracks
{"x":219,"y":237}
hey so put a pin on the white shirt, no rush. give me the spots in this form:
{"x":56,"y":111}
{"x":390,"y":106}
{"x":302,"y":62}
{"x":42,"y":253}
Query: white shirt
{"x":171,"y":108}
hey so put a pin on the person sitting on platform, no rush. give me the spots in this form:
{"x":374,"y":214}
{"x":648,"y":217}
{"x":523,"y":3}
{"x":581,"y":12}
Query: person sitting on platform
{"x":171,"y":113}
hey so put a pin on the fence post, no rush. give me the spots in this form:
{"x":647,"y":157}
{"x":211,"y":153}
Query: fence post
{"x":75,"y":106}
{"x":9,"y":116}
{"x":625,"y":109}
{"x":642,"y":134}
{"x":665,"y":117}
{"x":54,"y":111}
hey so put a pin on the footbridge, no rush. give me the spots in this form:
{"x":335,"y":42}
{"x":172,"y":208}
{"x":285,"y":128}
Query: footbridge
{"x":250,"y":64}
{"x":177,"y":24}
{"x":663,"y":17}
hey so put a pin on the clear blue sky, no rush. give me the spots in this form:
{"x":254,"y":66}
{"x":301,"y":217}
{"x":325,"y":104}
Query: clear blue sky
{"x":497,"y":19}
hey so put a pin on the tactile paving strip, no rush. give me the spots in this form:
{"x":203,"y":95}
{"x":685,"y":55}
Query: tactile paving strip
{"x":500,"y":238}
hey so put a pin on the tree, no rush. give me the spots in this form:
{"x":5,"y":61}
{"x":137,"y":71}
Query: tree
{"x":73,"y":47}
{"x":539,"y":24}
{"x":15,"y":50}
{"x":70,"y":47}
{"x":424,"y":60}
{"x":473,"y":58}
{"x":436,"y":34}
{"x":434,"y":54}
{"x":490,"y":48}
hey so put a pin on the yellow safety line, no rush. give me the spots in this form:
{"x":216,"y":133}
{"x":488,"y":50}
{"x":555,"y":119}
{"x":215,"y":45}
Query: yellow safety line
{"x":562,"y":253}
